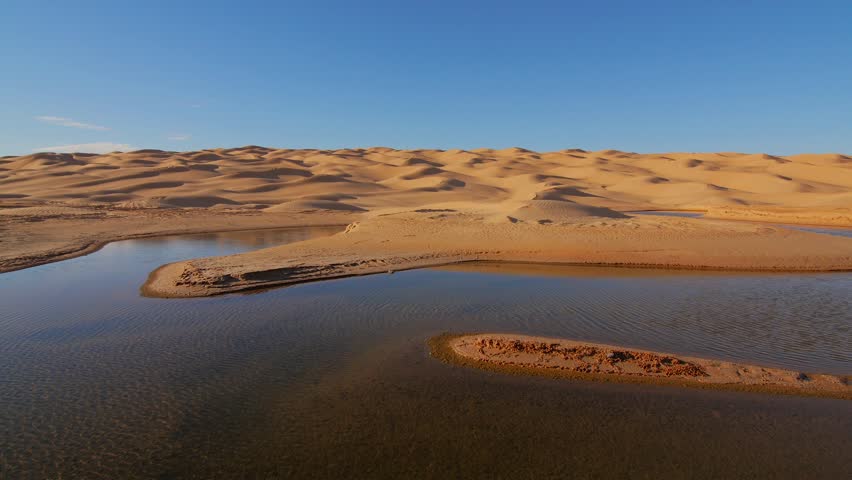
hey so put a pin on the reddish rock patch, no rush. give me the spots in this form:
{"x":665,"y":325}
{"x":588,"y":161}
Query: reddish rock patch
{"x":589,"y":359}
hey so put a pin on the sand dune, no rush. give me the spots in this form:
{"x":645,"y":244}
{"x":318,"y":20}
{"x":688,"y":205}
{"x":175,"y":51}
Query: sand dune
{"x":307,"y":205}
{"x":550,"y":211}
{"x":378,"y":177}
{"x":412,"y":208}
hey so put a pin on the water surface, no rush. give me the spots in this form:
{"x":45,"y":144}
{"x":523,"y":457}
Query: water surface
{"x":333,"y":379}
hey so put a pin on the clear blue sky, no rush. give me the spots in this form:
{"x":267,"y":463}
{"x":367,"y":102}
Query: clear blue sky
{"x":648,"y":76}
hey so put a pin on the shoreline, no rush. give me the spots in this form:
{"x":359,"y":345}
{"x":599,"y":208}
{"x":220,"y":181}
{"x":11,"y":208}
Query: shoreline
{"x":409,"y":240}
{"x":74,"y":251}
{"x":94,"y":247}
{"x":398,"y":240}
{"x":153,"y":278}
{"x":545,"y":357}
{"x":428,"y":207}
{"x":77,"y":236}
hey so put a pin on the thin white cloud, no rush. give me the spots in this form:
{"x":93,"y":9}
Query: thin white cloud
{"x":98,"y":147}
{"x":179,"y":137}
{"x":69,"y":122}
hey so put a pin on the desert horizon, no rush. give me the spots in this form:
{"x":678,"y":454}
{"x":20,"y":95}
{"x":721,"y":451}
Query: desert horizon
{"x":258,"y":175}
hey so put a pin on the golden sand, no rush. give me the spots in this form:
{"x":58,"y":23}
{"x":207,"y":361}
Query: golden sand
{"x":555,"y":357}
{"x":416,"y":208}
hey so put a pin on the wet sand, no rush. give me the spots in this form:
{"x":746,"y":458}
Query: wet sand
{"x":542,"y":356}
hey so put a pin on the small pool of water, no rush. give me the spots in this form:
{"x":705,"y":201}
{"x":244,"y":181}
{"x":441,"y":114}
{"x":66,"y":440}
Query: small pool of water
{"x":333,"y":379}
{"x":836,"y":231}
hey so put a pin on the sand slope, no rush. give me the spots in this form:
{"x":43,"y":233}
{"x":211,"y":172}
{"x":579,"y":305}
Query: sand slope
{"x":375,"y":178}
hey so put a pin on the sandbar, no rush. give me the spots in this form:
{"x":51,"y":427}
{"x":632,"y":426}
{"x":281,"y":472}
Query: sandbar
{"x":556,"y":357}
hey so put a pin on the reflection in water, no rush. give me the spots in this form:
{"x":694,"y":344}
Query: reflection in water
{"x":333,"y":379}
{"x":238,"y":241}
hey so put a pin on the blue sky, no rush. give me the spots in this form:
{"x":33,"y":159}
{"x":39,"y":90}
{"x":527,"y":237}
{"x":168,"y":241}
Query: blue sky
{"x":646,"y":76}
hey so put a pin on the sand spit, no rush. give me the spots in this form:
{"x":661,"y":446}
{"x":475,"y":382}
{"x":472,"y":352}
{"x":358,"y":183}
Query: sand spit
{"x":432,"y":237}
{"x":528,"y":355}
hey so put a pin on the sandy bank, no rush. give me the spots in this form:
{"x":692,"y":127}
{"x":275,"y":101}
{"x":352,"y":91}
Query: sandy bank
{"x":424,"y":207}
{"x":527,"y":355}
{"x":431,"y":237}
{"x":837,"y":217}
{"x":35,"y":236}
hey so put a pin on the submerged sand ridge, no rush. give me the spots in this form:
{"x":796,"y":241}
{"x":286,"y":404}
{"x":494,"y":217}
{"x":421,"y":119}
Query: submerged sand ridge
{"x":523,"y":354}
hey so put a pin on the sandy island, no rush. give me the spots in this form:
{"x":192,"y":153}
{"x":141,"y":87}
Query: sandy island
{"x":528,"y":355}
{"x":418,"y":208}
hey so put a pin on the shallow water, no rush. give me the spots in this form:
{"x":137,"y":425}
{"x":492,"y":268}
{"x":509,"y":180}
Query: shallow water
{"x":836,"y":231}
{"x":333,"y":379}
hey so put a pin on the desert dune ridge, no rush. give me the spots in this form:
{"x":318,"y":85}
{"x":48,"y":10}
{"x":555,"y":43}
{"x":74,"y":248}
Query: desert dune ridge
{"x":417,"y":208}
{"x":373,"y":179}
